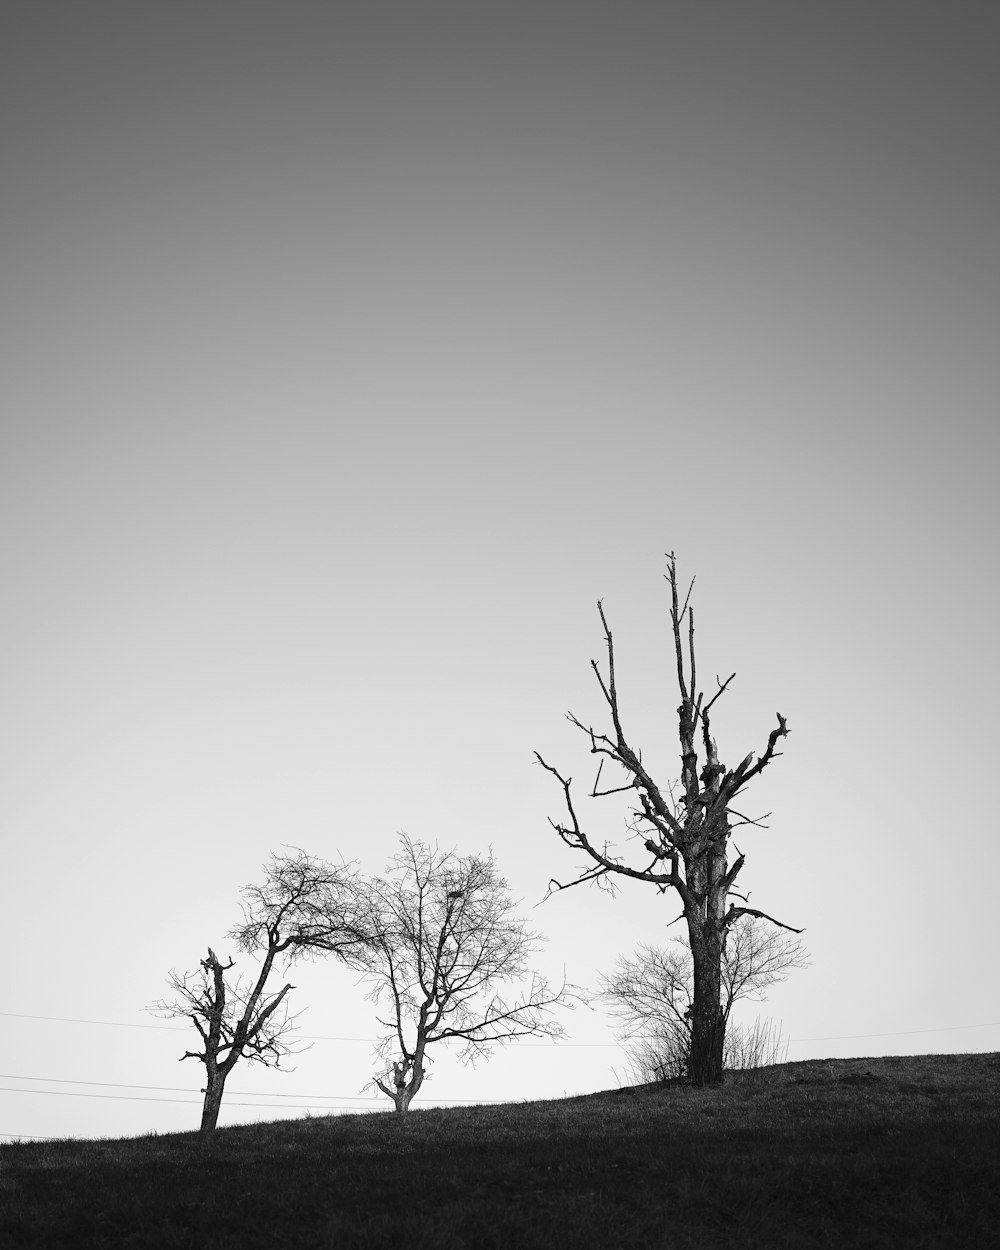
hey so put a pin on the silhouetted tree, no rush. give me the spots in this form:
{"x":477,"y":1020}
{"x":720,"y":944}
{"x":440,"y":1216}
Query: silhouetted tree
{"x":444,"y":942}
{"x":303,"y":906}
{"x":685,"y":833}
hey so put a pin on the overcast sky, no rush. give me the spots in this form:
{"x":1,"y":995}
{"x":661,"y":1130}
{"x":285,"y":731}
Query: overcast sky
{"x":350,"y":353}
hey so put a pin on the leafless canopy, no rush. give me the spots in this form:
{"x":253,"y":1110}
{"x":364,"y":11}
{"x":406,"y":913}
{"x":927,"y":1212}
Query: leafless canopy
{"x":681,"y":830}
{"x":304,"y":905}
{"x":651,"y":994}
{"x":654,"y":988}
{"x":449,"y":960}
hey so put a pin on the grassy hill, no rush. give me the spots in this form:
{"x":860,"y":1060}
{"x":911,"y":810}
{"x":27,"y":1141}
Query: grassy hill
{"x":845,"y":1152}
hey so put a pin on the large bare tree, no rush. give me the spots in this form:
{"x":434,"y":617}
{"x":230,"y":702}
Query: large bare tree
{"x":683,"y":831}
{"x":652,"y":993}
{"x":303,"y":906}
{"x":449,"y":959}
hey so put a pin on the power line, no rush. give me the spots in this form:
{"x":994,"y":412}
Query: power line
{"x":303,"y":1037}
{"x":189,"y":1102}
{"x":172,"y":1089}
{"x":167,"y":1028}
{"x":317,"y":1037}
{"x":182,"y":1089}
{"x":68,"y":1093}
{"x":115,"y":1024}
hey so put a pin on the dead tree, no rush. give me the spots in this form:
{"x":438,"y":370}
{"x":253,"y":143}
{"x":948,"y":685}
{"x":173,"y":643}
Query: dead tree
{"x":684,"y":832}
{"x":234,"y":1023}
{"x":444,"y":943}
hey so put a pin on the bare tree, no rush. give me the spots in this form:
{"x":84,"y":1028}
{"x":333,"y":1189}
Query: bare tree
{"x":652,"y":994}
{"x":304,"y":906}
{"x":234,"y":1022}
{"x":683,"y":833}
{"x":445,"y":943}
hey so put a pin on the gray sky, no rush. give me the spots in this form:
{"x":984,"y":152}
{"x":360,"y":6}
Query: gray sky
{"x":349,"y":355}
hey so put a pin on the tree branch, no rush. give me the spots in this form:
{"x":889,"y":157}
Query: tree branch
{"x":575,"y":837}
{"x":735,"y":912}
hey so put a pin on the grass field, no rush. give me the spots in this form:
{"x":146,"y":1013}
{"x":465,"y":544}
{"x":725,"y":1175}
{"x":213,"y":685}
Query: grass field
{"x":901,"y":1152}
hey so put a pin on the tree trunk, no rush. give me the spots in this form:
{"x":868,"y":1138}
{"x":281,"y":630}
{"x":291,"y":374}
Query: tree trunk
{"x":213,"y":1103}
{"x":405,"y":1094}
{"x":402,"y":1098}
{"x":708,"y":1026}
{"x":407,"y":1078}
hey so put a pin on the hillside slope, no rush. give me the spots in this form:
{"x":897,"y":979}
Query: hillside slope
{"x":859,"y":1153}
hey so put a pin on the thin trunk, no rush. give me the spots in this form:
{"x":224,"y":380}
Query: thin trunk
{"x":214,"y":1087}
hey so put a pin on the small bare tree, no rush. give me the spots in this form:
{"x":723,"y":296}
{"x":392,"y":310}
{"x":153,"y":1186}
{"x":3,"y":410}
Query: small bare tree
{"x":684,"y":837}
{"x":234,"y":1022}
{"x":652,"y":995}
{"x":304,"y":906}
{"x":444,"y":942}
